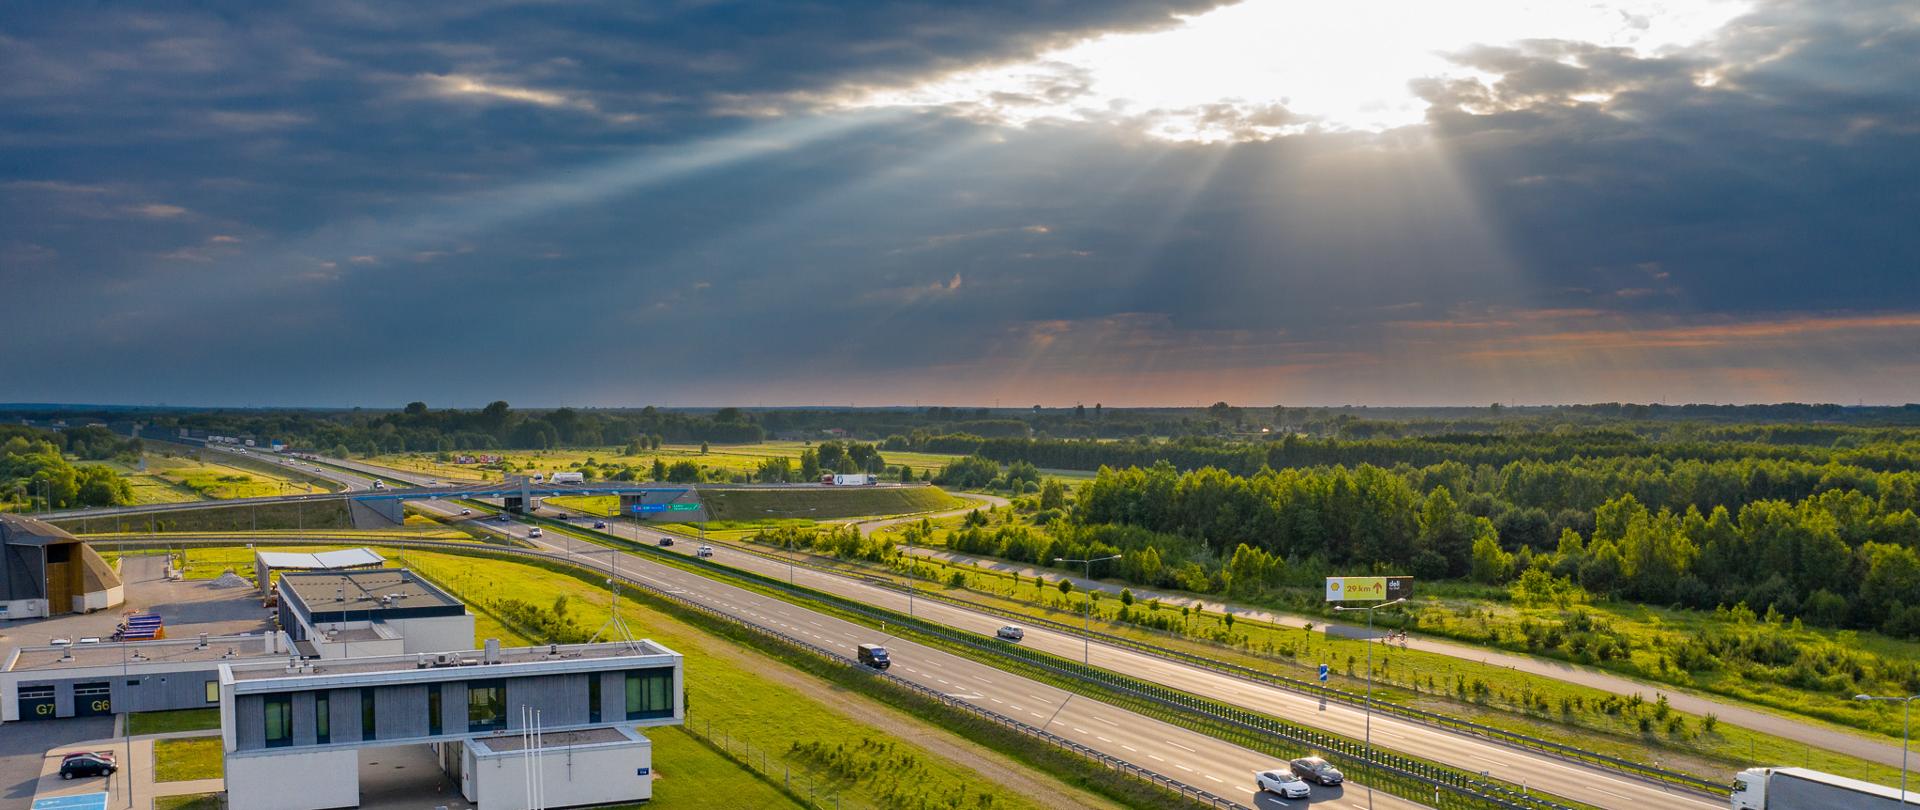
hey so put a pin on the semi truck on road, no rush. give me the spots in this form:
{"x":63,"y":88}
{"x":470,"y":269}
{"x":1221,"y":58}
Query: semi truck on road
{"x":1803,"y":789}
{"x":568,"y":478}
{"x":848,"y":480}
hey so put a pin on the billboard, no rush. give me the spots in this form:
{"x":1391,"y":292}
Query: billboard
{"x":1368,"y":589}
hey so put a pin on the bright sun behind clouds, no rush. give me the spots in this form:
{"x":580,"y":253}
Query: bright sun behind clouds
{"x":1266,"y":68}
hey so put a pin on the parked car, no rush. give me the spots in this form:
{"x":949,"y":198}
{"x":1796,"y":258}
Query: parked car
{"x":875,"y":656}
{"x":535,"y":532}
{"x":87,"y":763}
{"x":599,"y":524}
{"x":666,"y":541}
{"x":466,"y":511}
{"x":1011,"y":632}
{"x":1317,"y":771}
{"x":706,"y":551}
{"x":1283,"y":783}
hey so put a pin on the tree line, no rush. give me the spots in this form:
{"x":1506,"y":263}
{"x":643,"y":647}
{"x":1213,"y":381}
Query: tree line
{"x":1840,"y":558}
{"x":35,"y":472}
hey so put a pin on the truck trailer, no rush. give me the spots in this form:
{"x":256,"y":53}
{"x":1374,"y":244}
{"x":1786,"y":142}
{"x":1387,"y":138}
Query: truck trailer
{"x":849,"y":479}
{"x":1803,"y":789}
{"x":568,"y":478}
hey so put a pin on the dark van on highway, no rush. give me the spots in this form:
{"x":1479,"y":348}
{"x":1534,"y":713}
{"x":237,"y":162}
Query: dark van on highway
{"x":875,"y":656}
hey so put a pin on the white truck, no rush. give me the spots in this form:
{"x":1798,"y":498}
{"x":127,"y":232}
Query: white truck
{"x":1803,"y":789}
{"x":852,"y":480}
{"x":568,"y":478}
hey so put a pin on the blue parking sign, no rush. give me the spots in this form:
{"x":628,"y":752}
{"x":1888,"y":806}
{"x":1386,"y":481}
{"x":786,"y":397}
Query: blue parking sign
{"x":1323,"y":673}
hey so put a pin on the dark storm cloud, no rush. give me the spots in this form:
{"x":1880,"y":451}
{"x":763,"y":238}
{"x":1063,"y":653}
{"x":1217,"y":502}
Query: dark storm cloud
{"x":360,"y":205}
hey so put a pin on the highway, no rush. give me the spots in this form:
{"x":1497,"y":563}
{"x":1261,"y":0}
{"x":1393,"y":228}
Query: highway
{"x":1540,"y":771}
{"x":1191,"y":757}
{"x":1561,"y":777}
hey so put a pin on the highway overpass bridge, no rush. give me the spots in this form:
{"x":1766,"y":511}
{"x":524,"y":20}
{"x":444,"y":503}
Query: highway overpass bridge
{"x":635,"y":499}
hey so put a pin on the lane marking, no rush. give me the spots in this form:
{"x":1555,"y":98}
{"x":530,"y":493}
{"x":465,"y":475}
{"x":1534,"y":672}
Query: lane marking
{"x":1181,"y":747}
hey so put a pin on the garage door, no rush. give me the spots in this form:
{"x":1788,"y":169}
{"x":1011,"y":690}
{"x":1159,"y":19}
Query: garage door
{"x":91,"y":699}
{"x":36,"y":703}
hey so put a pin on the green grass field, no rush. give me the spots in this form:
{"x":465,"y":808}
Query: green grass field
{"x":690,"y":775}
{"x":176,"y":479}
{"x":825,"y":503}
{"x":727,"y":457}
{"x":165,"y":722}
{"x":751,"y":509}
{"x":187,"y":759}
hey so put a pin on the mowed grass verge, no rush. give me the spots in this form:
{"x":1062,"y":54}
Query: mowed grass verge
{"x":826,"y":503}
{"x":688,"y":774}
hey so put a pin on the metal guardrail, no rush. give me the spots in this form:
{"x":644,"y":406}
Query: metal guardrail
{"x":1309,"y":688}
{"x":1190,"y":792}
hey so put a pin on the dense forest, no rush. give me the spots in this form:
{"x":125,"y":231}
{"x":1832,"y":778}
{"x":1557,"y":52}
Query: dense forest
{"x":1841,"y":556}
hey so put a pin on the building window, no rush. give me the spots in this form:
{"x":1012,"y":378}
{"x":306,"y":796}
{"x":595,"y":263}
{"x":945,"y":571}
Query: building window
{"x":322,"y":719}
{"x":367,"y":724}
{"x":649,"y":694}
{"x":433,"y":708}
{"x":486,"y":706}
{"x":279,"y":711}
{"x":213,"y":691}
{"x":593,"y":697}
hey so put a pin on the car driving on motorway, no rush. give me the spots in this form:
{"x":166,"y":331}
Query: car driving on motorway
{"x":535,"y":532}
{"x":706,"y":551}
{"x":1316,"y":770}
{"x":599,"y":524}
{"x":1011,"y":632}
{"x":1283,"y":783}
{"x":666,"y":541}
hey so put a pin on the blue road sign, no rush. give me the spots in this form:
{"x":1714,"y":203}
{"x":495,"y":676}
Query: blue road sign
{"x":649,"y":507}
{"x":1323,"y":673}
{"x":84,"y":801}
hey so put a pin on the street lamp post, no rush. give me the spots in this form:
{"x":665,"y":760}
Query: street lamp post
{"x":1086,"y":627}
{"x":1368,"y":739}
{"x":1906,"y":732}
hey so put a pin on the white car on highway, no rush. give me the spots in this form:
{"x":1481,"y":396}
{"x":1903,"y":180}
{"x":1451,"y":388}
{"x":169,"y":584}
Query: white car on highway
{"x":1283,"y":783}
{"x":534,"y":532}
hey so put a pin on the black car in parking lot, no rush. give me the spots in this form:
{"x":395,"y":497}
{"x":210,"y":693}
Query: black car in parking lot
{"x":87,"y":763}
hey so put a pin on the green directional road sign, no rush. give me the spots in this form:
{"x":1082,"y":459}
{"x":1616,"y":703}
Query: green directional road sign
{"x":683,"y":507}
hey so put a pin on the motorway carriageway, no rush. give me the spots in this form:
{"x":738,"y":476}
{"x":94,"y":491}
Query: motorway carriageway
{"x":1210,"y":764}
{"x":1550,"y":774}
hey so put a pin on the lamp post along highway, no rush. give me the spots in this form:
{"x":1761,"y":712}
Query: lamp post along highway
{"x":1367,"y":741}
{"x":1086,"y":624}
{"x":1906,"y":732}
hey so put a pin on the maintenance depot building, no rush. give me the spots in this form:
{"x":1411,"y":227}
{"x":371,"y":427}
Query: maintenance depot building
{"x":44,"y":571}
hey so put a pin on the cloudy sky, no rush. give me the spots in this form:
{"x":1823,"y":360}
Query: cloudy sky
{"x":1118,"y":201}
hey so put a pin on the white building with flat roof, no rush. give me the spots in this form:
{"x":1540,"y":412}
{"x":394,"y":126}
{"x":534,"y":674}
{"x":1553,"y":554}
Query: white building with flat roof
{"x":293,"y":730}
